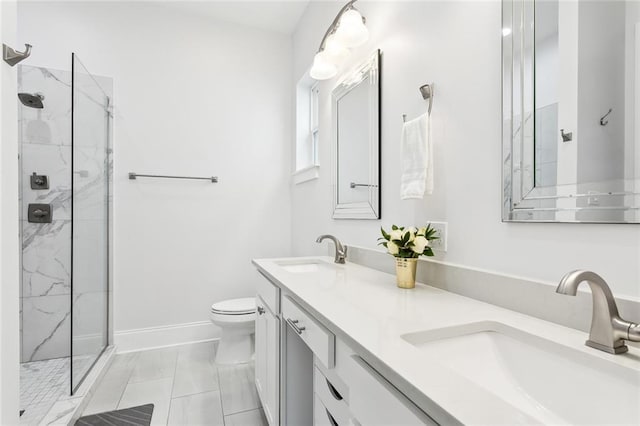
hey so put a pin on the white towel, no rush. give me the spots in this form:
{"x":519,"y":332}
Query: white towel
{"x":417,"y":159}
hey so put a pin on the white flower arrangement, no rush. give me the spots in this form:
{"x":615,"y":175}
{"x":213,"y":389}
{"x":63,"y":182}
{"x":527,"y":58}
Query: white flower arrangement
{"x":408,"y":243}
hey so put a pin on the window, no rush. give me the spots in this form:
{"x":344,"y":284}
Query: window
{"x":313,"y":122}
{"x":307,"y":130}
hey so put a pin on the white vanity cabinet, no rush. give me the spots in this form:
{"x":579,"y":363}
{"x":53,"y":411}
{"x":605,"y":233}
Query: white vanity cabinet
{"x":267,"y":358}
{"x":305,"y":375}
{"x":376,"y":402}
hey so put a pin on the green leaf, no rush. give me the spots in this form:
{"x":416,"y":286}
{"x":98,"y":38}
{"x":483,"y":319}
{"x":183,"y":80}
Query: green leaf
{"x":393,"y":227}
{"x":384,"y":234}
{"x":405,"y":239}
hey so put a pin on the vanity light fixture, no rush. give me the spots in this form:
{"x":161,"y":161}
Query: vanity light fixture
{"x":347,"y":31}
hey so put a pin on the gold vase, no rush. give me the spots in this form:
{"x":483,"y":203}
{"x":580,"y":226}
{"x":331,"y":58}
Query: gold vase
{"x":406,"y":272}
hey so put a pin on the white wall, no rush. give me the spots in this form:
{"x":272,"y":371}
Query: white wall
{"x":9,"y":244}
{"x":457,"y":46}
{"x":192,"y":97}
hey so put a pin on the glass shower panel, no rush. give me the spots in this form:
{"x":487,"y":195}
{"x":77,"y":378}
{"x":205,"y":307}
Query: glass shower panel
{"x":90,"y":219}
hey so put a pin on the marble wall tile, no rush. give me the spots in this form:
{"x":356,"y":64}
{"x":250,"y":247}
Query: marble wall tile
{"x":55,"y":162}
{"x":90,"y":185}
{"x":46,"y":258}
{"x":45,"y":138}
{"x":46,"y":326}
{"x":52,"y":124}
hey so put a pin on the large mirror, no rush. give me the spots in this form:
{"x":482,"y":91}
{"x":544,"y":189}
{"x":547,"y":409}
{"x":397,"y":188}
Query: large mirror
{"x":356,"y":131}
{"x":571,"y":101}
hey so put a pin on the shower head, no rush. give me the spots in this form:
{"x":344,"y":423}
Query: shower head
{"x":32,"y":100}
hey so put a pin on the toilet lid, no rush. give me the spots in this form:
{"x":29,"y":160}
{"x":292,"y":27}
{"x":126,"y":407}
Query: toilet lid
{"x":242,"y":306}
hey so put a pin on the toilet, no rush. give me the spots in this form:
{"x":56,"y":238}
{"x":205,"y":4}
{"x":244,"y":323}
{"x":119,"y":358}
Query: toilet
{"x":236,"y":318}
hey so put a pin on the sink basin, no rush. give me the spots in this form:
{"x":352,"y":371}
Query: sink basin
{"x":549,"y":382}
{"x":303,"y":266}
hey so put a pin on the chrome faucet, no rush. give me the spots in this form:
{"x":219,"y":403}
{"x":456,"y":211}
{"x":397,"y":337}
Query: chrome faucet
{"x":608,"y":330}
{"x":341,"y":251}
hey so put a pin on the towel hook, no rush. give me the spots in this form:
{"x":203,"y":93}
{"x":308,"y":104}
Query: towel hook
{"x":603,"y":121}
{"x":12,"y":56}
{"x":427,"y":94}
{"x":426,"y":90}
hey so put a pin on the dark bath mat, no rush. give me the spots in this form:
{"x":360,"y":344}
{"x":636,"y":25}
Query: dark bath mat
{"x":134,"y":416}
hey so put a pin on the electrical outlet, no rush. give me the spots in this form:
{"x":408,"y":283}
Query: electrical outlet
{"x":441,"y":232}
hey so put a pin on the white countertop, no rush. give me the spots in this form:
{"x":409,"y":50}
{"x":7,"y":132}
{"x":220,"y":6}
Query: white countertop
{"x":364,"y":307}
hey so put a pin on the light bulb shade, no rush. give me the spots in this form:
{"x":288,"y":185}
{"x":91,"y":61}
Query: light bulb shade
{"x":323,"y":68}
{"x":336,"y":52}
{"x":352,"y":32}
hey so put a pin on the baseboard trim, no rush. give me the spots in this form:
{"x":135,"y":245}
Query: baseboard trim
{"x":140,"y":339}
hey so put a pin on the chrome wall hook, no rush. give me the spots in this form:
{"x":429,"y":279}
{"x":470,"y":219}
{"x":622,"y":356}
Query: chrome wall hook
{"x":12,"y":56}
{"x":603,"y":120}
{"x":426,"y":90}
{"x":427,"y":94}
{"x":566,"y":136}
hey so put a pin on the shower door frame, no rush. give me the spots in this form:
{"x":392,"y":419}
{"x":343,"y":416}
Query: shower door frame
{"x":107,"y":220}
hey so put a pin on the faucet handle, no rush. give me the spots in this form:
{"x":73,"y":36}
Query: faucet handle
{"x":341,"y":250}
{"x":608,"y":331}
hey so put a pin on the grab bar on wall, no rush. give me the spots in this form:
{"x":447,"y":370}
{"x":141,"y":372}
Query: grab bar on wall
{"x":213,"y":179}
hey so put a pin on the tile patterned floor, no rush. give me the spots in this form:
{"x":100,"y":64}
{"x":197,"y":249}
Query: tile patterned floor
{"x":41,"y":384}
{"x":185,"y":385}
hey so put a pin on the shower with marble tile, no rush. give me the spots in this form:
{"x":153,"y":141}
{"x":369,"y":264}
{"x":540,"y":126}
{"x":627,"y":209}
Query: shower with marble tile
{"x":65,"y":128}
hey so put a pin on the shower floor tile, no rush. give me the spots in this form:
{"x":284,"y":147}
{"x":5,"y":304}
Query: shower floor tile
{"x":41,"y":384}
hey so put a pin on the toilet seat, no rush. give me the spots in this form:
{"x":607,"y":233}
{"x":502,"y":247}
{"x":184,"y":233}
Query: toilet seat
{"x":243,"y":306}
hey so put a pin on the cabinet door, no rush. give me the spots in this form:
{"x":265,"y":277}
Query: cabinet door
{"x":272,"y":406}
{"x":267,"y":361}
{"x":261,"y":349}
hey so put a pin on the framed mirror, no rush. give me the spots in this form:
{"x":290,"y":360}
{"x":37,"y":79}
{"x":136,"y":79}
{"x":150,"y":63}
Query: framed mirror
{"x":356,"y":133}
{"x":571,"y":101}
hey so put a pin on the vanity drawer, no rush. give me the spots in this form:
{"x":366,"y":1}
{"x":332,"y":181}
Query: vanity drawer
{"x":320,"y":340}
{"x":331,"y":374}
{"x":322,"y":416}
{"x":374,"y":401}
{"x":269,"y":293}
{"x":331,"y":398}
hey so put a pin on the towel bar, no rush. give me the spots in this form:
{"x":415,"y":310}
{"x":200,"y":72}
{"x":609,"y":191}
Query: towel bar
{"x":353,"y":185}
{"x":213,"y":179}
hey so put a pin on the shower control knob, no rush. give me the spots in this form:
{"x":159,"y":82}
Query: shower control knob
{"x":39,"y":181}
{"x":40,"y":213}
